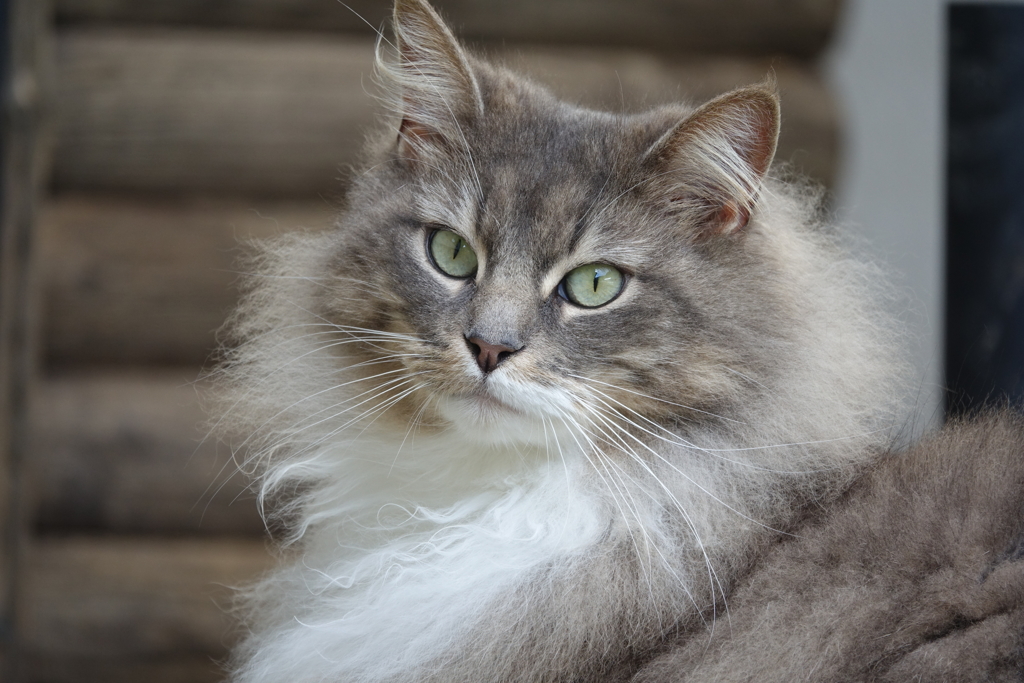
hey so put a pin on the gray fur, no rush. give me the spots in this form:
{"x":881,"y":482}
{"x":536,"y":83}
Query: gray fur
{"x":915,"y":575}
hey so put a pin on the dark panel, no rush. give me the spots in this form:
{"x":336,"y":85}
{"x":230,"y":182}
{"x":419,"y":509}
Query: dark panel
{"x":21,"y":40}
{"x":985,"y":205}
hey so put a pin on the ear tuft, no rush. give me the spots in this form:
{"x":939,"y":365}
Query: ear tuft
{"x":711,"y":166}
{"x":438,"y":91}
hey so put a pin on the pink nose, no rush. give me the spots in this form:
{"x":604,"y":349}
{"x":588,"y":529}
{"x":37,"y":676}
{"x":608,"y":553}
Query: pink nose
{"x":489,"y":355}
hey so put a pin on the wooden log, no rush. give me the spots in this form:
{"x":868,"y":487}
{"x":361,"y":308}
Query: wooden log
{"x":280,"y":114}
{"x":793,"y":27}
{"x":131,"y":452}
{"x":201,"y":111}
{"x":132,"y":609}
{"x":177,"y":668}
{"x":145,"y":280}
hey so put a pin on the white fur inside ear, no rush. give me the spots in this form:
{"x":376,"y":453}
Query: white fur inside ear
{"x":730,"y":219}
{"x":711,"y":167}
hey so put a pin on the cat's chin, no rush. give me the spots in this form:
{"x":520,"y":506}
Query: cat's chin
{"x":482,"y":417}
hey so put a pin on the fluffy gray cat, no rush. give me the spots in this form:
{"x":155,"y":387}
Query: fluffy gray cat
{"x":554,"y":383}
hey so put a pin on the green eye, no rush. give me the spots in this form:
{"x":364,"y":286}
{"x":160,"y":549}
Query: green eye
{"x":451,"y":254}
{"x":594,"y":284}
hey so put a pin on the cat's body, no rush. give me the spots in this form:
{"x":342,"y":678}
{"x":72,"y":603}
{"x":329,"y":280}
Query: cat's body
{"x":486,"y":475}
{"x":916,"y":574}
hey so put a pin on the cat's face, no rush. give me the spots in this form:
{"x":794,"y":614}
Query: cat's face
{"x":543,"y":263}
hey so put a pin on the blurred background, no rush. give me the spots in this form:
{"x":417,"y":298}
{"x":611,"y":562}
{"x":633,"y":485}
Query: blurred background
{"x":144,"y":141}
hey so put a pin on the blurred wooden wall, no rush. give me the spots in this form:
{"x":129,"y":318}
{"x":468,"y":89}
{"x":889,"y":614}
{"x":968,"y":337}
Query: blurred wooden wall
{"x":180,"y":129}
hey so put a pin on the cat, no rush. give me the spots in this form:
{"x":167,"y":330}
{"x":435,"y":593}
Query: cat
{"x":556,"y":380}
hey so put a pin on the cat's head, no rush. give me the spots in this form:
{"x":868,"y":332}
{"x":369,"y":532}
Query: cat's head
{"x":526,"y":262}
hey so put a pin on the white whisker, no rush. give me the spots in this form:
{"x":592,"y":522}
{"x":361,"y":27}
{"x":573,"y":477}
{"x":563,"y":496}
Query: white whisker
{"x":653,"y":398}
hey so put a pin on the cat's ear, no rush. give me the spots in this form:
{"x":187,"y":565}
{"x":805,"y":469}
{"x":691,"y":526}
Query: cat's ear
{"x":710,"y":167}
{"x":438,"y":90}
